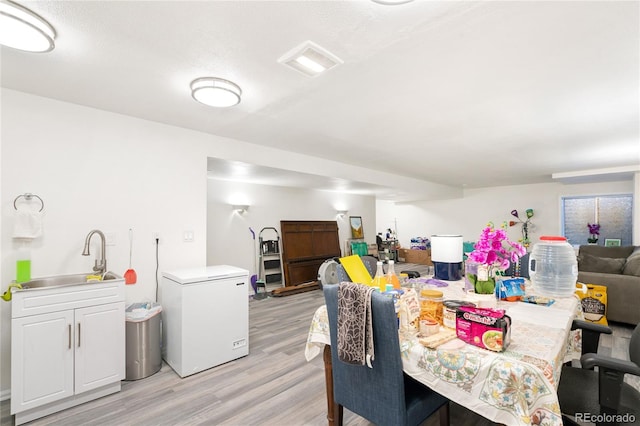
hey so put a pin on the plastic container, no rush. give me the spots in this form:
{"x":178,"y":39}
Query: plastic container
{"x":404,"y":279}
{"x":553,"y":267}
{"x":429,"y":328}
{"x":23,"y":264}
{"x":395,"y":295}
{"x":431,"y":305}
{"x":379,"y":280}
{"x":392,"y":277}
{"x":449,"y":312}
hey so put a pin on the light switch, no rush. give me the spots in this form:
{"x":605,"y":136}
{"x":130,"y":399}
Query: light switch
{"x":188,"y":236}
{"x":110,"y":238}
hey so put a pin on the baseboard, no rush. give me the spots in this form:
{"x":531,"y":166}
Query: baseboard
{"x":5,"y":394}
{"x":72,"y":401}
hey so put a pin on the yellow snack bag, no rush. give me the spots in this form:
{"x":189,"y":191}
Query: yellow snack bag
{"x":594,"y":303}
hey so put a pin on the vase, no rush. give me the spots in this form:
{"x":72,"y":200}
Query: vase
{"x":472,"y":283}
{"x":485,"y":301}
{"x":486,"y":287}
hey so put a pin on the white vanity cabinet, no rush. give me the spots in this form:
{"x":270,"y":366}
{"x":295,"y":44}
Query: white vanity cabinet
{"x":67,"y":346}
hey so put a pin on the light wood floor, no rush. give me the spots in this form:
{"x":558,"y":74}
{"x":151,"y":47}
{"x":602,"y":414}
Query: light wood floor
{"x":273,"y":385}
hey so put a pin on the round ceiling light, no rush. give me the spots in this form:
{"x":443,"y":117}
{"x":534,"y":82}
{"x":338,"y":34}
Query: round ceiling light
{"x":391,"y":2}
{"x":215,"y":92}
{"x":22,"y":29}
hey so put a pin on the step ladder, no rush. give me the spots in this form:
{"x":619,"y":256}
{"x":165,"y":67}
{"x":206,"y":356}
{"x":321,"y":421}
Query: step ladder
{"x":270,"y":258}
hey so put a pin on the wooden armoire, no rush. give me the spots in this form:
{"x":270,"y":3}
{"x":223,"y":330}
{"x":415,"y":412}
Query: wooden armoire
{"x":306,"y":244}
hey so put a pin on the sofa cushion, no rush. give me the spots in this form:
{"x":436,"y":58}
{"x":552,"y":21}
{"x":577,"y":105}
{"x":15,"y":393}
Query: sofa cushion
{"x":604,"y":265}
{"x":602,"y":251}
{"x":632,"y":266}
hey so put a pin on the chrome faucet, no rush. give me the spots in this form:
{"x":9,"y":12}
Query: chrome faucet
{"x":101,"y":265}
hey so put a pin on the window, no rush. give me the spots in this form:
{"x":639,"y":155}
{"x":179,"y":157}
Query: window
{"x":612,"y":212}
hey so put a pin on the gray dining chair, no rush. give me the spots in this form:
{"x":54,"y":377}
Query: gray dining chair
{"x":384,"y":394}
{"x":602,"y":391}
{"x":370,"y":263}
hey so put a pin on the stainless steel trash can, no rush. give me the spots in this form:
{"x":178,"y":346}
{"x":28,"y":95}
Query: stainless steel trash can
{"x":143,"y":335}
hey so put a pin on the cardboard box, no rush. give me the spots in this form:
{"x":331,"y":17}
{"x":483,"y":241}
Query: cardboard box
{"x":422,"y":257}
{"x":402,"y":254}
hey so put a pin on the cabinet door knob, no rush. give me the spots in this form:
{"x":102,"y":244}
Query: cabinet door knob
{"x":69,"y":336}
{"x":79,"y":334}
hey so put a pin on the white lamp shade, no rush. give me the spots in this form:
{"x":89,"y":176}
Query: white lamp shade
{"x":446,"y":248}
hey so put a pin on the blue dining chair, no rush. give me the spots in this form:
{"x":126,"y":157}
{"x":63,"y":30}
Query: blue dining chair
{"x":384,"y":394}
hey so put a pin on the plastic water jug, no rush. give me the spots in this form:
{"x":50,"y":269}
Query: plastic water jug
{"x":553,"y":267}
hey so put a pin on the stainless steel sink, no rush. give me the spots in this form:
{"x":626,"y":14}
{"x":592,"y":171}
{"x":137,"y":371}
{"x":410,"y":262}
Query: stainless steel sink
{"x":66,"y":280}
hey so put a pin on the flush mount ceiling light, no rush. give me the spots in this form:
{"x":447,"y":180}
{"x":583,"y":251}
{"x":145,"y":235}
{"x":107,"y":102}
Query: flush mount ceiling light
{"x":310,"y":59}
{"x":22,"y":29}
{"x":215,"y":92}
{"x":391,"y":2}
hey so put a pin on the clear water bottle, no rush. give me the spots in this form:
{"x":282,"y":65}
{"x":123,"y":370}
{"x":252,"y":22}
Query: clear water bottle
{"x":553,"y":267}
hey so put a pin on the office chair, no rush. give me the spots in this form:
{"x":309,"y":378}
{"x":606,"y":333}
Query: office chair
{"x":383,"y":394}
{"x":584,"y":390}
{"x":379,"y":243}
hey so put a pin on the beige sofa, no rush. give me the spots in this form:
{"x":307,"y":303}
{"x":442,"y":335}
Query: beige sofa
{"x":618,"y":268}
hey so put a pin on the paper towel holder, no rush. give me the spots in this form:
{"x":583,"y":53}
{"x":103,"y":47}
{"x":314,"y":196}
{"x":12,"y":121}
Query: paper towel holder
{"x":28,"y":197}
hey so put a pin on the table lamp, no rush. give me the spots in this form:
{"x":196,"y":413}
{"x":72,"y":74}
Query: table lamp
{"x":446,"y":255}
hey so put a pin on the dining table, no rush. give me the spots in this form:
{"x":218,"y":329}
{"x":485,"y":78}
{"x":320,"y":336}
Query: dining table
{"x":517,"y":386}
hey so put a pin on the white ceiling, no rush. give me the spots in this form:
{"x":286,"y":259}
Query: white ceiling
{"x":459,"y":93}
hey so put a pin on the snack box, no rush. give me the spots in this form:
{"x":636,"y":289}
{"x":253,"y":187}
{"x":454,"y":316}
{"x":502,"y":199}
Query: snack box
{"x":485,"y":328}
{"x":510,"y":289}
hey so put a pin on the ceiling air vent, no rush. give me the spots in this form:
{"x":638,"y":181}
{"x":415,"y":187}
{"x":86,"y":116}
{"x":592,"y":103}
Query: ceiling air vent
{"x":310,"y":59}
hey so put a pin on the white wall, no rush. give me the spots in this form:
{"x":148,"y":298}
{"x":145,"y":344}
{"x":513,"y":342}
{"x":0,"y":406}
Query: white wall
{"x":636,"y":209}
{"x":4,"y":348}
{"x":230,"y":241}
{"x":468,"y":215}
{"x":96,"y":169}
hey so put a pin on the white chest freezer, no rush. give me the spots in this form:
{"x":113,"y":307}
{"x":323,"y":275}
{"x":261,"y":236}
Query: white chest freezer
{"x":205,"y":317}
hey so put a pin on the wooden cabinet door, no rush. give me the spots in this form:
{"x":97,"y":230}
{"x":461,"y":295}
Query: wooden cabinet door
{"x":99,"y":346}
{"x":304,"y":272}
{"x":325,"y":241}
{"x":42,"y":359}
{"x":297,"y":241}
{"x":305,"y":246}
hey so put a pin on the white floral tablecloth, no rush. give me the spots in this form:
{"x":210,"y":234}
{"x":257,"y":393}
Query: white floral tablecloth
{"x":318,"y":334}
{"x":515,"y":387}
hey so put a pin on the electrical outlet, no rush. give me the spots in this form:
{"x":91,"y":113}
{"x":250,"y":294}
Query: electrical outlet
{"x":239,"y":343}
{"x":156,"y":237}
{"x":110,"y":238}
